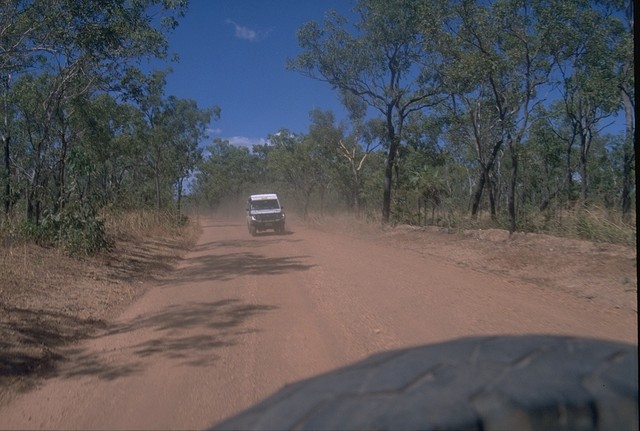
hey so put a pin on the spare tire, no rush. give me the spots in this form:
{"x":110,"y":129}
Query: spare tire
{"x":483,"y":383}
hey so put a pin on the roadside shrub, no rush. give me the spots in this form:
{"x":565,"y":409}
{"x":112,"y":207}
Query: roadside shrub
{"x":35,"y":232}
{"x":77,"y":230}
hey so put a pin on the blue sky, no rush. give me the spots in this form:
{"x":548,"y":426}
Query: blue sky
{"x":232,"y":54}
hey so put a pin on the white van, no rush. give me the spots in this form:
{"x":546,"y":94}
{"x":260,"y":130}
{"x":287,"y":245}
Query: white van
{"x":265,"y":212}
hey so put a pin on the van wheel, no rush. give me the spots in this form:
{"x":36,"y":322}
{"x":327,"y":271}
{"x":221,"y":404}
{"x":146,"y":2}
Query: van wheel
{"x":482,"y":383}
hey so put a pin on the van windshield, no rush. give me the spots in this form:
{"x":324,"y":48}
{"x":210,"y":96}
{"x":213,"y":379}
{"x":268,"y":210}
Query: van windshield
{"x":269,"y":204}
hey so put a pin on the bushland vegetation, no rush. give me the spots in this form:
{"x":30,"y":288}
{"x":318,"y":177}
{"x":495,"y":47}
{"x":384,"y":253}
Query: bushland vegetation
{"x":87,"y":131}
{"x":512,"y":114}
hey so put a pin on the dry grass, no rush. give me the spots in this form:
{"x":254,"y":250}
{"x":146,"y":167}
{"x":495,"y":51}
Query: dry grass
{"x":593,"y":223}
{"x":141,"y":223}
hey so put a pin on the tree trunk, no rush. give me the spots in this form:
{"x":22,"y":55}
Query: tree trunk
{"x":584,"y":185}
{"x":485,"y":180}
{"x":33,"y":186}
{"x":492,"y":196}
{"x":6,"y":141}
{"x":628,"y":102}
{"x":356,"y":191}
{"x":62,"y":166}
{"x":477,"y":196}
{"x":307,"y":201}
{"x":512,"y":186}
{"x":569,"y":173}
{"x":7,"y":175}
{"x":388,"y":167}
{"x":628,"y":157}
{"x":179,"y":197}
{"x":157,"y":181}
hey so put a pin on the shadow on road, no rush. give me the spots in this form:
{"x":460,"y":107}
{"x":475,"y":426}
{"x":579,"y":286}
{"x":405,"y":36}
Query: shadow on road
{"x":273,"y":233}
{"x":242,"y":243}
{"x":141,"y":259}
{"x":30,"y":329}
{"x":227,"y":266}
{"x":188,"y":334}
{"x":42,"y":339}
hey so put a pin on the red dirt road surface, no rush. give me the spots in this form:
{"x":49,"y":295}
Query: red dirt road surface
{"x":242,"y":316}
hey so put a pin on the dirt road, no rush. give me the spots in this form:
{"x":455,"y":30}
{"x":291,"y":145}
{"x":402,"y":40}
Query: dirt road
{"x":242,"y":316}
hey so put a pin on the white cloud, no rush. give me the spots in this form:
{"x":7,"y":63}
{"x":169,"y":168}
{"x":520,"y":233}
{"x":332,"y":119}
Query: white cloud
{"x":244,"y":33}
{"x":243,"y":141}
{"x":214,"y":131}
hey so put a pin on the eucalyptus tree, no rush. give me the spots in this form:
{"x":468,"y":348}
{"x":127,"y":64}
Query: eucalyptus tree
{"x":16,"y":25}
{"x":586,"y":61}
{"x":544,"y":157}
{"x":470,"y":118}
{"x":325,"y":139}
{"x":606,"y":176}
{"x":173,"y":128}
{"x":423,"y":159}
{"x":184,"y":125}
{"x":225,"y":172}
{"x":81,"y":47}
{"x":298,"y":162}
{"x":500,"y":56}
{"x":147,"y":92}
{"x":624,"y":48}
{"x":106,"y":160}
{"x":46,"y":133}
{"x":364,"y":139}
{"x":33,"y":122}
{"x":378,"y":59}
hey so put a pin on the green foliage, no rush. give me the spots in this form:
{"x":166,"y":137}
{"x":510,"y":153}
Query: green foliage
{"x":377,"y":63}
{"x":296,"y":163}
{"x":70,"y":148}
{"x":227,"y":173}
{"x":77,"y":230}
